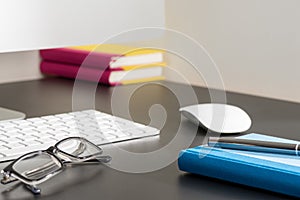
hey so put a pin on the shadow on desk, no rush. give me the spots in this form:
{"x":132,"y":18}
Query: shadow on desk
{"x":189,"y":184}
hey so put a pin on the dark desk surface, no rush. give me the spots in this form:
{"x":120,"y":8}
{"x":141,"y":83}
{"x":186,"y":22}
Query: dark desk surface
{"x":51,"y":96}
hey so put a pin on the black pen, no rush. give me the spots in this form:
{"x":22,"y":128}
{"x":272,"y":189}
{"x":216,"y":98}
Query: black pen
{"x":254,"y":145}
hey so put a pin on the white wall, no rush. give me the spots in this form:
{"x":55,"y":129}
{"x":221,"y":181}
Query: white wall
{"x":255,"y":43}
{"x":19,"y":66}
{"x":35,"y":24}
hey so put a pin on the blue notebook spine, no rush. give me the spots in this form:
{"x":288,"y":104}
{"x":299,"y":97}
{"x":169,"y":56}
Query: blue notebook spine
{"x":232,"y":170}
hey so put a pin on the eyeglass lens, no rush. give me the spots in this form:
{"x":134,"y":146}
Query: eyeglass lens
{"x":78,"y":148}
{"x":37,"y":165}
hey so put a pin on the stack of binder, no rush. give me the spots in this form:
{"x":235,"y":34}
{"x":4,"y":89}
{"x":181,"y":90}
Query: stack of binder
{"x":275,"y":172}
{"x":106,"y":63}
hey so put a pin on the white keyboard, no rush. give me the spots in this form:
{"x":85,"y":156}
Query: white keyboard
{"x":22,"y":136}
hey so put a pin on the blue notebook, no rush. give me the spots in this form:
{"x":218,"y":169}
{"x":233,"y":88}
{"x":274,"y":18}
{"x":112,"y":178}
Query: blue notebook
{"x":275,"y":172}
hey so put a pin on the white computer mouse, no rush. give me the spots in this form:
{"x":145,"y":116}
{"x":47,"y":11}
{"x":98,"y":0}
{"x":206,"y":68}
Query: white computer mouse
{"x":220,"y":118}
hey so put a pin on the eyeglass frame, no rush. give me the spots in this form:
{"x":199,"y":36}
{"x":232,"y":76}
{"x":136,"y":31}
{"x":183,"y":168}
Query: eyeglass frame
{"x":11,"y":175}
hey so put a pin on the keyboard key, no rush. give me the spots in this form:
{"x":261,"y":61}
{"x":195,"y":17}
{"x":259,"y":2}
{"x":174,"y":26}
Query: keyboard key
{"x":14,"y":145}
{"x":21,"y":122}
{"x":3,"y":148}
{"x":5,"y":125}
{"x":50,"y":118}
{"x":32,"y":143}
{"x":36,"y":120}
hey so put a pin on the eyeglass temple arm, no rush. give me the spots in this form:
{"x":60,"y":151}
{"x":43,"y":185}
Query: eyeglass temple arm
{"x":96,"y":159}
{"x":32,"y":188}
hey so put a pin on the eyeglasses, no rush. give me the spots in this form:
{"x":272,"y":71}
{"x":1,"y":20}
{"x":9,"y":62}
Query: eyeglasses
{"x":38,"y":166}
